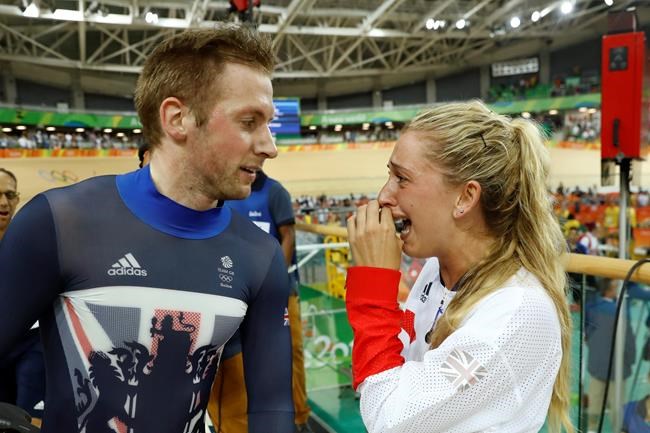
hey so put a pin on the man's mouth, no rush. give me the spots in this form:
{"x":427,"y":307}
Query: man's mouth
{"x":251,"y":170}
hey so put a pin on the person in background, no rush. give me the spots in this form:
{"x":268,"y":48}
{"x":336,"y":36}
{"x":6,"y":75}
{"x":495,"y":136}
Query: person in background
{"x":9,"y":198}
{"x":484,"y":341}
{"x":636,"y":416}
{"x":269,"y":206}
{"x":22,"y":370}
{"x":589,"y":239}
{"x":143,"y":277}
{"x":599,"y":323}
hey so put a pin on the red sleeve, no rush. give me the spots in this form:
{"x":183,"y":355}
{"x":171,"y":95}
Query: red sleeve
{"x":373,"y":312}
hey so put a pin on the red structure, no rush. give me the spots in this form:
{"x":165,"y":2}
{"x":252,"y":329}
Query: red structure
{"x":623,"y":111}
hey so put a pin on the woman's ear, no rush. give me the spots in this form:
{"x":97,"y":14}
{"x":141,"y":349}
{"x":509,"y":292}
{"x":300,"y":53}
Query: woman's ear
{"x":174,"y":116}
{"x":468,"y":199}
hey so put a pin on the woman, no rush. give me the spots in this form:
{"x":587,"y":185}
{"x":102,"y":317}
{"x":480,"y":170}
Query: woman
{"x":484,"y":341}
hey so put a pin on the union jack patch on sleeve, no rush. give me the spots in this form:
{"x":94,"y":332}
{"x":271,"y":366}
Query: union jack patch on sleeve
{"x":462,"y":370}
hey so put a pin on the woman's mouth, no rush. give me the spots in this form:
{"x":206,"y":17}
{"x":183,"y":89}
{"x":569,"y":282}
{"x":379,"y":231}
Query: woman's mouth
{"x":403,"y":225}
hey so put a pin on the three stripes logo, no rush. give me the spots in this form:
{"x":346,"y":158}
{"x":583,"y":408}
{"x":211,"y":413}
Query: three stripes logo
{"x":425,"y":292}
{"x":127,"y":265}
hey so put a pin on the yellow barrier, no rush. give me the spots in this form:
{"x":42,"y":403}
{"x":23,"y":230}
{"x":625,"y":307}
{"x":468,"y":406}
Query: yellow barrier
{"x":576,"y":263}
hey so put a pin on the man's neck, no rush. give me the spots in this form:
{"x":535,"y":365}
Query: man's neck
{"x":175,"y":182}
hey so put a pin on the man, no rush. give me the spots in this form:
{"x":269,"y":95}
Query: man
{"x":9,"y":198}
{"x":143,"y":277}
{"x":22,"y":373}
{"x":269,"y":206}
{"x":599,"y":323}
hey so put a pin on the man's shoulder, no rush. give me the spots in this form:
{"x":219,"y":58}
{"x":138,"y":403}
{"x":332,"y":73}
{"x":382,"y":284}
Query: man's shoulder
{"x":90,"y":186}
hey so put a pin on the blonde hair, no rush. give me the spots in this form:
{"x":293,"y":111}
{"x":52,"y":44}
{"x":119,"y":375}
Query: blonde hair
{"x":508,"y":159}
{"x":189,"y":64}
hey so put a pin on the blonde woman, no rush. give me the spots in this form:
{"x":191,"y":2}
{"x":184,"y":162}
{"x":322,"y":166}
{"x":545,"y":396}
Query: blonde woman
{"x":483,"y":342}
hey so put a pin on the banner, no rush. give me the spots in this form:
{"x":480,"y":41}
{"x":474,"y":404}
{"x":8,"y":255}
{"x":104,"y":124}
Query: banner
{"x":352,"y":117}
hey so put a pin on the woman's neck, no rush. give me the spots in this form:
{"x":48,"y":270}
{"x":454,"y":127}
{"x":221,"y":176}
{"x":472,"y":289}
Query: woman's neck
{"x":464,"y":256}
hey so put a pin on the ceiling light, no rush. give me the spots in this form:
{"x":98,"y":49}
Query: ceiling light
{"x":515,"y":22}
{"x":80,"y":130}
{"x":582,"y":109}
{"x":430,"y":24}
{"x":6,"y":129}
{"x":525,"y":115}
{"x":461,"y":23}
{"x":108,"y":130}
{"x":137,"y":131}
{"x":535,"y":16}
{"x":50,"y":129}
{"x":547,"y":10}
{"x":21,"y":127}
{"x":312,"y":127}
{"x":609,"y":2}
{"x":592,"y":111}
{"x":120,"y":134}
{"x":566,"y":7}
{"x":552,"y":112}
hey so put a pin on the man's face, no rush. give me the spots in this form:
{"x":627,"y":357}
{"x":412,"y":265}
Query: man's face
{"x":7,"y":205}
{"x":225,"y":153}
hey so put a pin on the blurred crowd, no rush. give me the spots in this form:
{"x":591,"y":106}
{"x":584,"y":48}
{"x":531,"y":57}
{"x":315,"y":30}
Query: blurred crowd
{"x":93,"y":139}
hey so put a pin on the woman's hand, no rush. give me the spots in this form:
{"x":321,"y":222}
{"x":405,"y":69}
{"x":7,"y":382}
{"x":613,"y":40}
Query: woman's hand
{"x":373,"y":239}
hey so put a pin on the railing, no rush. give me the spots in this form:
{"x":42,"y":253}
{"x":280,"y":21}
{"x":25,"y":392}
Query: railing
{"x":606,"y":267}
{"x":631,"y":386}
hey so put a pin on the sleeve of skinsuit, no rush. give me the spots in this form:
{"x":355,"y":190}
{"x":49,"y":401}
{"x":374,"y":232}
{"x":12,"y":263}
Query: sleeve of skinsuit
{"x":29,"y":270}
{"x":266,"y":348}
{"x":280,"y":205}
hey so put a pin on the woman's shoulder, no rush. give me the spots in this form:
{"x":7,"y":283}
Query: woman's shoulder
{"x":521,"y":302}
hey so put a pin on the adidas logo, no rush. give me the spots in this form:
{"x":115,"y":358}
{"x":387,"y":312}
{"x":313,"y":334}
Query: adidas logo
{"x":127,"y":265}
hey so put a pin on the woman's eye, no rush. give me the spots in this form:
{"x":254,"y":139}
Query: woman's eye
{"x":399,"y":178}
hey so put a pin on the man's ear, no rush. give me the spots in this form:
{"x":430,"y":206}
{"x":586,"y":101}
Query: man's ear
{"x":468,"y":199}
{"x":174,"y":116}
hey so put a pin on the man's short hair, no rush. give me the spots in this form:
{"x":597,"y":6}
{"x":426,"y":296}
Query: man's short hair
{"x":187,"y":66}
{"x":144,"y":147}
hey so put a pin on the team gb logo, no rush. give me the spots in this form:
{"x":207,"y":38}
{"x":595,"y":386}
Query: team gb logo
{"x":226,"y":261}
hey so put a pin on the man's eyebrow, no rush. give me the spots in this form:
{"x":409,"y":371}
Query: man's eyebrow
{"x":254,"y":111}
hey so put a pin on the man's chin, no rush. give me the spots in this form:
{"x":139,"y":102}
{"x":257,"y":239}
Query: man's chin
{"x":241,"y":194}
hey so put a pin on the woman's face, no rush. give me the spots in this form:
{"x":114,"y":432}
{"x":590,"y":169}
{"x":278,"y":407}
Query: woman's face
{"x":417,"y":193}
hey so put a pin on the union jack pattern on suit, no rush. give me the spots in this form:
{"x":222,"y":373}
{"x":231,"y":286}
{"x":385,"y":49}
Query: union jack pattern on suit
{"x":462,"y":370}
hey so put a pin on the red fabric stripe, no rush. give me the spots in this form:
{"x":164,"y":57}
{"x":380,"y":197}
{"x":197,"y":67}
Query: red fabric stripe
{"x":375,"y":317}
{"x":78,"y":329}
